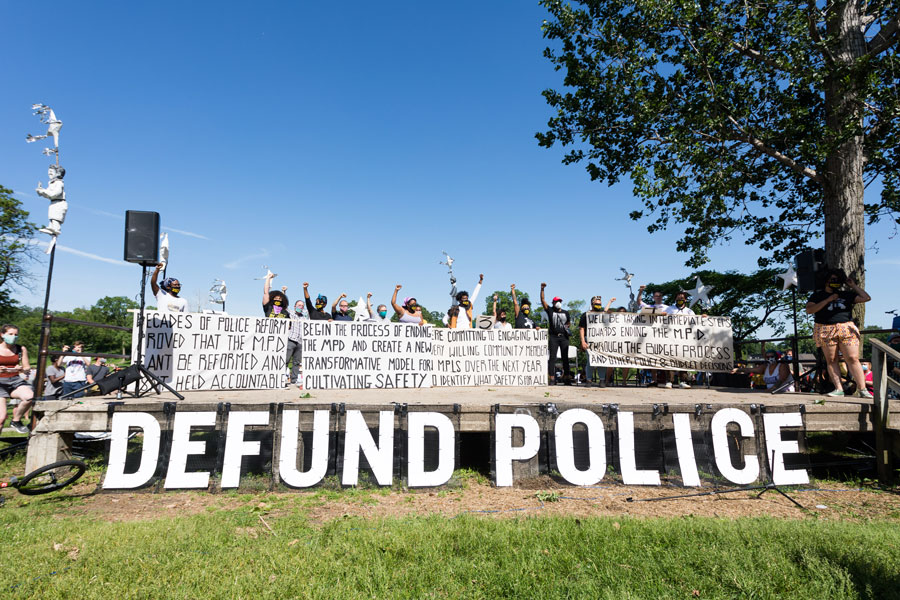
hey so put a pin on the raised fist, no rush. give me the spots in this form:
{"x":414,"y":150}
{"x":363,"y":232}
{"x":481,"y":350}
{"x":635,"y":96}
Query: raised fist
{"x":305,"y":285}
{"x":398,"y":287}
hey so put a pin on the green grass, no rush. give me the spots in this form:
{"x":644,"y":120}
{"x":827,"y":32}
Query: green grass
{"x":231,"y":554}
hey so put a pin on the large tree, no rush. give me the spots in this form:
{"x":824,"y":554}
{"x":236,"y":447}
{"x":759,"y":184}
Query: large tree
{"x":767,"y":118}
{"x":15,"y":249}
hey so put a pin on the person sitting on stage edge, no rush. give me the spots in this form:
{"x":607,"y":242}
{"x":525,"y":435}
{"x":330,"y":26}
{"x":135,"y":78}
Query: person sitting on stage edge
{"x":275,"y":304}
{"x":167,"y":299}
{"x":523,"y":311}
{"x":379,"y":315}
{"x":835,"y":330}
{"x":95,"y":372}
{"x":340,"y":310}
{"x":775,"y":372}
{"x":410,"y":312}
{"x":14,"y":369}
{"x":557,"y":338}
{"x":315,"y":312}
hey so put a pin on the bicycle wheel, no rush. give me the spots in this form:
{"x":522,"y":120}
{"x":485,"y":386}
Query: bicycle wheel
{"x":52,"y":477}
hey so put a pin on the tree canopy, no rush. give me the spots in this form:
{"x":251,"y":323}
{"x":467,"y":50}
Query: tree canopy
{"x":15,"y":249}
{"x":763,"y":117}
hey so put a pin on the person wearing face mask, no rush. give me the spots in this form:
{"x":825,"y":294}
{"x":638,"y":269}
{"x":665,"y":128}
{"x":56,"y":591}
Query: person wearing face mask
{"x":679,"y":308}
{"x":500,"y":321}
{"x":275,"y":304}
{"x":596,"y":308}
{"x":523,"y":311}
{"x":410,"y":312}
{"x":557,"y":338}
{"x":464,"y":320}
{"x":167,"y":299}
{"x":295,"y":341}
{"x":379,"y":315}
{"x":834,"y":329}
{"x":14,"y":369}
{"x":315,"y":311}
{"x":340,"y":310}
{"x":775,"y":372}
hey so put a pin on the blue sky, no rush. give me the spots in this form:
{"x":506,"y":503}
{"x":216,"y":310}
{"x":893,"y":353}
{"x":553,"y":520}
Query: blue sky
{"x":342,"y":144}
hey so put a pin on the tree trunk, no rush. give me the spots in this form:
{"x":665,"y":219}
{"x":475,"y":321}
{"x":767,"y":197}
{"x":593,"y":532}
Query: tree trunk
{"x":843,"y":188}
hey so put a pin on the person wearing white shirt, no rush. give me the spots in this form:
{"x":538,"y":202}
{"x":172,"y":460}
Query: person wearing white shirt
{"x":379,"y":316}
{"x":659,"y":307}
{"x":679,"y":308}
{"x":500,"y":318}
{"x":167,"y":299}
{"x":466,"y":302}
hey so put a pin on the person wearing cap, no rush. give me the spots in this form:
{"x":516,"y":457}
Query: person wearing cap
{"x":167,"y":299}
{"x":315,"y":311}
{"x":596,"y":308}
{"x":834,"y":330}
{"x":557,"y":338}
{"x":523,"y":311}
{"x":275,"y":304}
{"x":410,"y":312}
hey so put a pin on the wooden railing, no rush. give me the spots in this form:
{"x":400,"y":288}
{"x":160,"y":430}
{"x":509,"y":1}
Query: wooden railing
{"x":883,"y":357}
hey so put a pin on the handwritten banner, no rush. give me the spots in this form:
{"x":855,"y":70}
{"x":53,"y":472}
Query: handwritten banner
{"x":673,"y":342}
{"x":472,"y":357}
{"x":361,"y":355}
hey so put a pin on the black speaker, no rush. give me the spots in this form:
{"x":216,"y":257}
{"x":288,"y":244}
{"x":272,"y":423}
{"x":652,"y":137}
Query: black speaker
{"x":810,"y":267}
{"x":142,"y":237}
{"x":118,"y":380}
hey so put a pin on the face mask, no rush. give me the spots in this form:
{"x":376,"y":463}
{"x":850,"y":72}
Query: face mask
{"x":771,"y":360}
{"x":344,"y":310}
{"x":502,"y":318}
{"x":464,"y":303}
{"x":319,"y":305}
{"x":526,"y":311}
{"x":175,"y":291}
{"x":411,"y":306}
{"x":597,"y":306}
{"x":382,"y":313}
{"x":557,"y":305}
{"x":276,"y":302}
{"x":10,"y":339}
{"x":679,"y":303}
{"x":865,"y":367}
{"x":276,"y":309}
{"x":834,"y":285}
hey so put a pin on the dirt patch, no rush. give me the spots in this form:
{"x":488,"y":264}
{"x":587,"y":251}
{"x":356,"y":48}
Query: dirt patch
{"x":321,"y":505}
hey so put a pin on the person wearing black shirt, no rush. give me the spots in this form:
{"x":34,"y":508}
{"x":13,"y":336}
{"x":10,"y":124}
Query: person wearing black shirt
{"x":523,"y":311}
{"x":835,"y":330}
{"x":557,"y":338}
{"x":340,"y":310}
{"x":315,"y":312}
{"x":275,"y":304}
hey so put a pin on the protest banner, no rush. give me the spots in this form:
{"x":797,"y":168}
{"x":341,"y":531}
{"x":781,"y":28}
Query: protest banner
{"x":674,"y":342}
{"x":199,"y":351}
{"x":494,"y":357}
{"x":361,"y":355}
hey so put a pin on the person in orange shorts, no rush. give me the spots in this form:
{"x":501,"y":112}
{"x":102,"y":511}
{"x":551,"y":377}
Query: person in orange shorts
{"x":835,"y":330}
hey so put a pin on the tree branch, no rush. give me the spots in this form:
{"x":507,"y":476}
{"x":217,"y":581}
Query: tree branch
{"x":814,"y":32}
{"x":886,"y":37}
{"x":787,"y":161}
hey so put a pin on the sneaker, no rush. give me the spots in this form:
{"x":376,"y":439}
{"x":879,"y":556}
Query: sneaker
{"x":684,"y":386}
{"x":668,"y":385}
{"x":19,"y":426}
{"x":865,"y":394}
{"x":836,"y":394}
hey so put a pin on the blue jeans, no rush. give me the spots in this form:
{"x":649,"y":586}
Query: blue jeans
{"x":588,"y":370}
{"x":70,"y":386}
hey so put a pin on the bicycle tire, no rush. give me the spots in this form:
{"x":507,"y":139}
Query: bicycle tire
{"x":52,"y":477}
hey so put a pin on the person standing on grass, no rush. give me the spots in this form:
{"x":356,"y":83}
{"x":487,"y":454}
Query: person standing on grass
{"x":14,"y":370}
{"x":834,"y":330}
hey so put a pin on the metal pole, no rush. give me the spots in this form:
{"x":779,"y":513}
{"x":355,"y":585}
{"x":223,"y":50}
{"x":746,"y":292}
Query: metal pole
{"x":795,"y":343}
{"x":140,"y":339}
{"x":45,"y":332}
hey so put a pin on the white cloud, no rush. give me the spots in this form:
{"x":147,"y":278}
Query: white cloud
{"x":187,"y":233}
{"x":74,"y":251}
{"x":885,"y":261}
{"x":234,"y":264}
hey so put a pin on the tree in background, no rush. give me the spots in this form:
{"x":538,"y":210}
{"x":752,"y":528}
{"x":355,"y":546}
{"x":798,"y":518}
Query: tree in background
{"x":729,"y":116}
{"x":15,"y":250}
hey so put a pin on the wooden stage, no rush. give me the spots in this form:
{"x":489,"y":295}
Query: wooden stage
{"x":60,"y":419}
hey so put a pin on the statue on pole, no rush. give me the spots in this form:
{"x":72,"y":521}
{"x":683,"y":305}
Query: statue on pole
{"x":55,"y":191}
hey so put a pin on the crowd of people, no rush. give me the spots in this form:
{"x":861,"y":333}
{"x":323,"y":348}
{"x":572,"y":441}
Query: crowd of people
{"x":831,"y":306}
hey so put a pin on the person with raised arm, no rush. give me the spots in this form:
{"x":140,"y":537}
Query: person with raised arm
{"x":410,"y":312}
{"x":166,"y":293}
{"x":275,"y":304}
{"x":557,"y":337}
{"x":500,"y":318}
{"x":340,"y":310}
{"x":315,"y":312}
{"x":464,"y":321}
{"x":523,"y":311}
{"x":834,"y":329}
{"x":376,"y":315}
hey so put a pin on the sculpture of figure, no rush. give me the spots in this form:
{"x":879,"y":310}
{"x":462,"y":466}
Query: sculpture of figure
{"x":449,"y":263}
{"x":48,"y":117}
{"x":164,"y":249}
{"x":54,"y":192}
